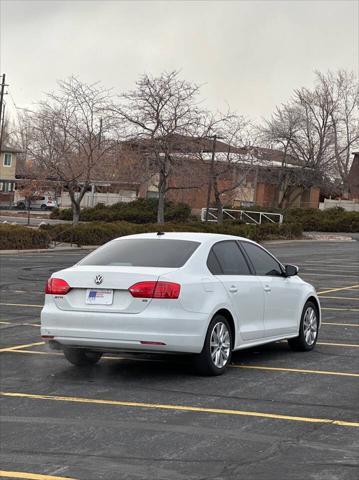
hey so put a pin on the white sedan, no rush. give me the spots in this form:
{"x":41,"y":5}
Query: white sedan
{"x":198,"y":293}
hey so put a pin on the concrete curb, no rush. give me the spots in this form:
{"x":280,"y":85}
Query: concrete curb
{"x":47,"y":250}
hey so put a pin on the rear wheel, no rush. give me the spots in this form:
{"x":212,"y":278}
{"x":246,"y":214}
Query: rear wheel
{"x":308,"y":330}
{"x":43,"y":207}
{"x":80,"y":357}
{"x":217,"y":348}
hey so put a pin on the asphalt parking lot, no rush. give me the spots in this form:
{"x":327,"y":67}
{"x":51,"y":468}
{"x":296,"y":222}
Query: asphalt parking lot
{"x":274,"y":415}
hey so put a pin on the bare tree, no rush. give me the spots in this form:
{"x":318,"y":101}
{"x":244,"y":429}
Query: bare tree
{"x":158,"y":113}
{"x":72,"y":132}
{"x":231,"y":161}
{"x":342,"y":90}
{"x":316,"y":130}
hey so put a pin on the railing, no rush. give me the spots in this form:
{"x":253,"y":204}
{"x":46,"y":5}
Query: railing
{"x":244,"y":216}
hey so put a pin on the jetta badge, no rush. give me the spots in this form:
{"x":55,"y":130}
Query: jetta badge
{"x":98,"y":279}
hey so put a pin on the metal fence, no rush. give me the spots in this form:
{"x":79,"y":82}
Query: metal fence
{"x":243,"y":216}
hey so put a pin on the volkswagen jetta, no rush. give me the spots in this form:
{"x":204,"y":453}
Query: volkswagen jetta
{"x":196,"y":293}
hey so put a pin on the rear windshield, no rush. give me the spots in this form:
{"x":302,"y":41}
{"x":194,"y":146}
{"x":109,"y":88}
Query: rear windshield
{"x":146,"y":252}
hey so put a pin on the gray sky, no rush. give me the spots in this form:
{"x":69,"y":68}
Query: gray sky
{"x":249,"y":54}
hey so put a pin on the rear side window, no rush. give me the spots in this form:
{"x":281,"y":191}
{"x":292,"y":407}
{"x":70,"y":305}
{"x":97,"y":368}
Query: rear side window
{"x":263,"y":263}
{"x":226,"y":258}
{"x":143,"y":252}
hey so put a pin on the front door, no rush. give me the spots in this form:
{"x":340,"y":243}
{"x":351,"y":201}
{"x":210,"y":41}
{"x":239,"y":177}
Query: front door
{"x":281,"y":293}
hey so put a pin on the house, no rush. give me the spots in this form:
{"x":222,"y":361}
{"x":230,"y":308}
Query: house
{"x":7,"y":174}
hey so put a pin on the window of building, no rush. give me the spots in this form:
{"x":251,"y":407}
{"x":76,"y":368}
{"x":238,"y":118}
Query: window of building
{"x":7,"y":159}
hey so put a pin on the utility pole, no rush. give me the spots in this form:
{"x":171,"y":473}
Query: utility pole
{"x":211,"y":173}
{"x":3,"y":85}
{"x":100,"y":134}
{"x":2,"y":108}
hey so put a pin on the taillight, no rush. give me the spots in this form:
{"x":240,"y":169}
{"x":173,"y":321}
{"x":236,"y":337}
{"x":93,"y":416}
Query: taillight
{"x":155,"y":290}
{"x":57,"y":286}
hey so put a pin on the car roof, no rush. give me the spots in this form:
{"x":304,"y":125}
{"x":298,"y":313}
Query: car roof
{"x":191,"y":236}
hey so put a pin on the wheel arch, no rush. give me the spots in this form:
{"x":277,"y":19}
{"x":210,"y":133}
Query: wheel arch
{"x":229,"y":317}
{"x":313,"y":299}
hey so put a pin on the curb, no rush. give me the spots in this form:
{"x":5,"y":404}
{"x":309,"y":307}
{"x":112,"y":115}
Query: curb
{"x":47,"y":250}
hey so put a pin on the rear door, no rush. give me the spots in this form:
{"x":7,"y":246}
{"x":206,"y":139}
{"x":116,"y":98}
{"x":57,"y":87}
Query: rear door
{"x":244,"y":290}
{"x":282,"y":296}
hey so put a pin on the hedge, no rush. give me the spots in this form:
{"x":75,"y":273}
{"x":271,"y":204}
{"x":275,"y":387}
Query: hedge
{"x":330,"y":220}
{"x":97,"y":233}
{"x":16,"y":237}
{"x":138,"y":211}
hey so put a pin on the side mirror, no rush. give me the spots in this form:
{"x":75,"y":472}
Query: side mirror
{"x":291,"y":270}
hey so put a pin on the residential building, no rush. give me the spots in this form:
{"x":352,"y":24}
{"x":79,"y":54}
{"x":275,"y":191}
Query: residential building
{"x":7,"y":174}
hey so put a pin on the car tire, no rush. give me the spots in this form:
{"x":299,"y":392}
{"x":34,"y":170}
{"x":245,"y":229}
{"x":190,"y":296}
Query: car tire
{"x":217,"y":349}
{"x":308,"y":329}
{"x":43,"y":207}
{"x":80,"y":357}
{"x":21,"y":205}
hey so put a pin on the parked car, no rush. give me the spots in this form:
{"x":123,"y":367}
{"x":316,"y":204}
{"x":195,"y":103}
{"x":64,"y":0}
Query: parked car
{"x":196,"y":293}
{"x":43,"y":202}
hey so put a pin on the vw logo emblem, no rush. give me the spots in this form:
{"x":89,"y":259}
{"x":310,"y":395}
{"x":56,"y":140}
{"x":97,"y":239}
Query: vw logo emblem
{"x":98,"y":279}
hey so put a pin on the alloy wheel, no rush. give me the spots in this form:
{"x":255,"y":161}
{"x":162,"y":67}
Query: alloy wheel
{"x":310,"y":325}
{"x":220,"y":344}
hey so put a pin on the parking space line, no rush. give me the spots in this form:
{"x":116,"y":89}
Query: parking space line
{"x":329,"y":274}
{"x":296,"y":370}
{"x":338,"y":309}
{"x":338,"y":289}
{"x":183,"y":408}
{"x":339,"y":298}
{"x":341,"y":324}
{"x":31,"y":476}
{"x":20,"y":305}
{"x":350,"y":345}
{"x":5,"y":323}
{"x":19,"y":347}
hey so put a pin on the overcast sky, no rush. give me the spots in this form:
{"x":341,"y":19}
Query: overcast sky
{"x":248,"y":54}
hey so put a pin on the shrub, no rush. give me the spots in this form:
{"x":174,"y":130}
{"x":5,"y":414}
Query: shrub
{"x":330,"y":220}
{"x":138,"y":211}
{"x":97,"y":233}
{"x":17,"y":237}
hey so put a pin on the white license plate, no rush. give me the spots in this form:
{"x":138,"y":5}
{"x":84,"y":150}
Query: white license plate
{"x":99,"y":296}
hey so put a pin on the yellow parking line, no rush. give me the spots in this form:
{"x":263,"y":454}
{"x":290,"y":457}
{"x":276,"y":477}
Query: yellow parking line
{"x":341,"y":324}
{"x":351,"y":345}
{"x":31,"y":476}
{"x":19,"y":347}
{"x":296,"y":370}
{"x":338,"y":289}
{"x":5,"y":323}
{"x":21,"y":305}
{"x":341,"y":309}
{"x":183,"y":408}
{"x":340,"y":298}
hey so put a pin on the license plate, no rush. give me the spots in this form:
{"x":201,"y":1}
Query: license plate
{"x":99,"y":297}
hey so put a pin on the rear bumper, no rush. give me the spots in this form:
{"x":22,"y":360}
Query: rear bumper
{"x":178,"y":330}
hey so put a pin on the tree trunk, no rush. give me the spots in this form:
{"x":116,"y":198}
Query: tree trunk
{"x":161,"y":200}
{"x":75,"y":212}
{"x":219,"y":205}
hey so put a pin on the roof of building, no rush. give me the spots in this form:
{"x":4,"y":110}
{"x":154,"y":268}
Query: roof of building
{"x":10,"y":149}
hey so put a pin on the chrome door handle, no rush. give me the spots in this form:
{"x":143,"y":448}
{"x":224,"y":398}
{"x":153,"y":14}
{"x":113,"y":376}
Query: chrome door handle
{"x":233,"y":289}
{"x":267,"y":288}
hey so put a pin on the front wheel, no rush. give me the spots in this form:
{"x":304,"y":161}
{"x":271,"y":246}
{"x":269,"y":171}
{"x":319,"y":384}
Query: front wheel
{"x":80,"y":357}
{"x":217,"y":348}
{"x":308,"y":329}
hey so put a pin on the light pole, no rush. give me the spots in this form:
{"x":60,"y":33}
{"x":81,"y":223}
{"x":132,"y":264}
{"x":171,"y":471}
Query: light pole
{"x":215,"y":137}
